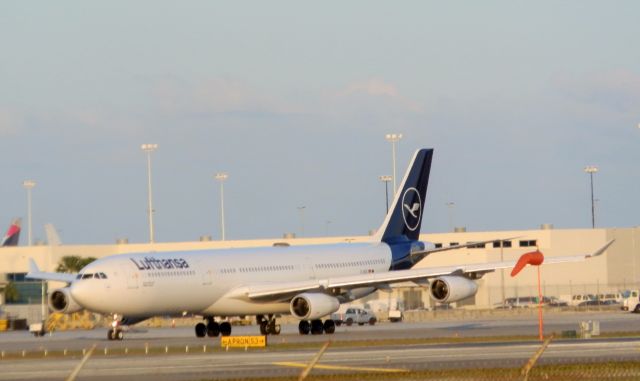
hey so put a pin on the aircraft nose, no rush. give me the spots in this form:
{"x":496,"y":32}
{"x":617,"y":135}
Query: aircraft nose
{"x":80,"y":292}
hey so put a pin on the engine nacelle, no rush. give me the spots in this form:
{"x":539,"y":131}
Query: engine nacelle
{"x":60,"y":300}
{"x":448,"y":289}
{"x":310,"y":306}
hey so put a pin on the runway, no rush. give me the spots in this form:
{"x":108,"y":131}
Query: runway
{"x":267,"y":363}
{"x":289,"y":351}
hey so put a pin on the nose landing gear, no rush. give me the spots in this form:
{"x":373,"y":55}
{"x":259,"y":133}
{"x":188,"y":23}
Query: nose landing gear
{"x":115,"y":332}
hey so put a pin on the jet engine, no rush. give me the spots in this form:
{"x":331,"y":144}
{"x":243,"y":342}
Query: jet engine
{"x":60,"y":300}
{"x":448,"y":289}
{"x":311,"y":306}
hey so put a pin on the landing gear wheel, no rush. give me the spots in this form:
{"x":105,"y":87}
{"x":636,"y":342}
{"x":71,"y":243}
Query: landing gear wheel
{"x":273,"y":328}
{"x":201,"y":330}
{"x":119,"y":335}
{"x":225,"y":328}
{"x":213,"y":329}
{"x":110,"y":334}
{"x":264,"y":327}
{"x":304,"y":327}
{"x":329,"y":326}
{"x":316,"y":327}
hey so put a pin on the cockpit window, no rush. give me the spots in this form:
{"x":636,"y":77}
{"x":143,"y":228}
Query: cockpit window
{"x":92,"y":276}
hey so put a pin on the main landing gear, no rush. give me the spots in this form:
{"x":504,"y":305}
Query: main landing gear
{"x":268,"y":326}
{"x":212,"y":328}
{"x":316,"y":327}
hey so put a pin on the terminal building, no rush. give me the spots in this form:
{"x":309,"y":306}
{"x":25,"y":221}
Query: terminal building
{"x":615,"y":271}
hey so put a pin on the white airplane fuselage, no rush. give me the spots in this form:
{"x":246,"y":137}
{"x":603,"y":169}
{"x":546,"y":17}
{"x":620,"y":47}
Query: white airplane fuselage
{"x":210,"y":282}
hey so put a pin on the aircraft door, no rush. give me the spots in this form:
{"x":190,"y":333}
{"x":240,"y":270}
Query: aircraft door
{"x":207,"y":277}
{"x":132,"y":277}
{"x":309,"y":267}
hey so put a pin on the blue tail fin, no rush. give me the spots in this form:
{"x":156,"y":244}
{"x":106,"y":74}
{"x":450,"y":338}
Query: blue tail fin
{"x":403,"y":221}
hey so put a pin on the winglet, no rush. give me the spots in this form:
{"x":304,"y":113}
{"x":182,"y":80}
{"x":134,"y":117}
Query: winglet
{"x":602,"y":249}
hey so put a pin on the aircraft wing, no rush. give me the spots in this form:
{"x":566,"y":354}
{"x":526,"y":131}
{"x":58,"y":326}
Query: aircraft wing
{"x":285,"y":290}
{"x":35,"y":273}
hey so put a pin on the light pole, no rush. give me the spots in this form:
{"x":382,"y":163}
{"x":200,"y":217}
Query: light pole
{"x":149,"y":148}
{"x":221,"y":177}
{"x":301,"y":210}
{"x":28,"y":185}
{"x":385,"y":179}
{"x":394,"y":139}
{"x":591,"y":169}
{"x":450,"y":206}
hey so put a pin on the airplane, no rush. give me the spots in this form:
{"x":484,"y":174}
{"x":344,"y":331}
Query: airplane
{"x":13,"y":234}
{"x":308,"y":282}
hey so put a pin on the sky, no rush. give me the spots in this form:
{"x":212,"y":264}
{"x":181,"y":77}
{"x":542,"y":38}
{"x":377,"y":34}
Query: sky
{"x":293,"y":99}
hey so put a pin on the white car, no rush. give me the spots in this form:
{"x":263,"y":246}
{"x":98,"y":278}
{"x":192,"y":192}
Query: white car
{"x":355,"y":315}
{"x":632,"y":302}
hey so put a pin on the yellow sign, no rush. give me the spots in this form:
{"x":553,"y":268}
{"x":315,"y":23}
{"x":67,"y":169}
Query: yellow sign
{"x":243,"y":341}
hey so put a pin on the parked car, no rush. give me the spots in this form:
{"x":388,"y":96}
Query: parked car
{"x":596,"y":302}
{"x":520,"y":302}
{"x":359,"y":316}
{"x":613,"y":296}
{"x":632,"y":301}
{"x":552,"y":301}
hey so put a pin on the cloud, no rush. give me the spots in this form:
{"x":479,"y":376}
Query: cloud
{"x":372,"y":87}
{"x":373,"y":95}
{"x":216,"y":96}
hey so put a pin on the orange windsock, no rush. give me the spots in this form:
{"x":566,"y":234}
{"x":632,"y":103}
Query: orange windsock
{"x":534,"y":258}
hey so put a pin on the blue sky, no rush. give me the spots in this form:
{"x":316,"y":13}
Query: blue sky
{"x":293,"y":100}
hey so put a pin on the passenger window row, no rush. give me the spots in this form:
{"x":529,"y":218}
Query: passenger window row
{"x":349,"y":264}
{"x":158,"y":274}
{"x":266,"y":268}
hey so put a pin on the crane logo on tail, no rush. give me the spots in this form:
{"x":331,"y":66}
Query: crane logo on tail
{"x":411,"y":208}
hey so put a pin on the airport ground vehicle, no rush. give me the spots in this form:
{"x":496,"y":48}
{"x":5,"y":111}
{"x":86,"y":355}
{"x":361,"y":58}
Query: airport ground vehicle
{"x":355,"y":315}
{"x":530,"y":301}
{"x":37,"y":329}
{"x":552,"y":301}
{"x":576,"y":300}
{"x":611,"y":297}
{"x":395,"y":316}
{"x":632,"y":301}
